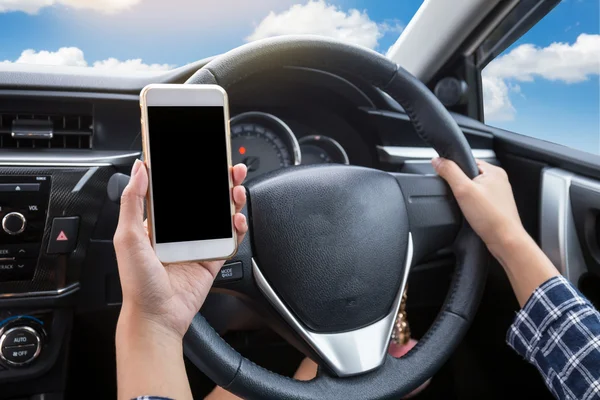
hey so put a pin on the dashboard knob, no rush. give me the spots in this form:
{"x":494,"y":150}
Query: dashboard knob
{"x":14,"y":223}
{"x":20,"y":346}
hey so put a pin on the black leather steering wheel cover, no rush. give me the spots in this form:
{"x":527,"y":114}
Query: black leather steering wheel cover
{"x":396,"y":377}
{"x":430,"y":118}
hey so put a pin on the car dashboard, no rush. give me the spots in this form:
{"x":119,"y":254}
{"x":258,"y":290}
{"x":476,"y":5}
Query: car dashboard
{"x":57,"y":257}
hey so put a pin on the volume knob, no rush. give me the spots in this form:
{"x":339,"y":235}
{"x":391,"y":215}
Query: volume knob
{"x":14,"y":223}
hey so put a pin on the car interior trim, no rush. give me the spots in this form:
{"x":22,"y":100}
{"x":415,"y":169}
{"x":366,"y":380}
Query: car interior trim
{"x":42,"y":94}
{"x":84,"y":179}
{"x":401,"y":154}
{"x":453,"y":22}
{"x":497,"y":16}
{"x":558,"y":234}
{"x":346,"y":353}
{"x":72,"y":288}
{"x":58,"y":159}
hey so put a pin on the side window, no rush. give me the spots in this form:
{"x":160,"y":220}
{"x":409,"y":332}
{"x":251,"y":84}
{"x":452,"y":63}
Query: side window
{"x":546,"y":85}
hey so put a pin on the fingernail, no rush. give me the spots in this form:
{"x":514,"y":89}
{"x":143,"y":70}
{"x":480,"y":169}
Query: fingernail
{"x":436,"y":162}
{"x":136,"y":167}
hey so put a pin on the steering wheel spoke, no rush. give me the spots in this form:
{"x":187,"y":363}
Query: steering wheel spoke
{"x":350,"y":352}
{"x":236,"y":273}
{"x":434,"y":216}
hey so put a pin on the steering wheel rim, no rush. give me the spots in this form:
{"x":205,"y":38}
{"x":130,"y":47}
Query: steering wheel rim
{"x":395,"y":377}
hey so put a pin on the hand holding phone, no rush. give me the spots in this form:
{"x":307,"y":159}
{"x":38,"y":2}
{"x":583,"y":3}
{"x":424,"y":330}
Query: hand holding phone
{"x":157,"y":299}
{"x":185,"y":132}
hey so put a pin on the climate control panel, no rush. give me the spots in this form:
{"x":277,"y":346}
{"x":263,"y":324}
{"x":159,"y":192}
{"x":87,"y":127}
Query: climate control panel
{"x":21,"y":341}
{"x":20,"y":346}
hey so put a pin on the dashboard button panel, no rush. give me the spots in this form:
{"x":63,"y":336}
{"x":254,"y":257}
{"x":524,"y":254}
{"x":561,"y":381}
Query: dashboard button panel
{"x":20,"y":337}
{"x":19,"y":355}
{"x":19,"y":187}
{"x":25,"y":250}
{"x":14,"y":223}
{"x":20,"y":345}
{"x":63,"y":237}
{"x":23,"y":209}
{"x":17,"y":269}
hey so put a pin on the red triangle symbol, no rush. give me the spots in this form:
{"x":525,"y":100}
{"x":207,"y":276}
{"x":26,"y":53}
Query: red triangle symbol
{"x":62,"y":237}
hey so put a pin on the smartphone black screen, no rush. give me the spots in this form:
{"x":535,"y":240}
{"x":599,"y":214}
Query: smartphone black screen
{"x":190,"y":182}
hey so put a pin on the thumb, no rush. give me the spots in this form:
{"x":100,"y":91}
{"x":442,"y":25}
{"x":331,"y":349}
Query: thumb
{"x":131,"y":217}
{"x":451,"y":172}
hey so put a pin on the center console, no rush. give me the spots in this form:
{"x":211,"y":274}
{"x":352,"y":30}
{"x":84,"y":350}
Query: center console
{"x":49,"y":213}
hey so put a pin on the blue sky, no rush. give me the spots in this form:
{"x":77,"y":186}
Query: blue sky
{"x":538,"y":87}
{"x":557,"y":110}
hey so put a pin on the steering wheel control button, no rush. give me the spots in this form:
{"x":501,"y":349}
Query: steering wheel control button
{"x":21,"y":336}
{"x":19,"y":187}
{"x":14,"y":223}
{"x":63,"y":236}
{"x":27,"y":349}
{"x":16,"y":270}
{"x":230,"y":272}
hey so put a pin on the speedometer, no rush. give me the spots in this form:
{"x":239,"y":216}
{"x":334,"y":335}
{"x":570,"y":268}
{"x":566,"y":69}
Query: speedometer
{"x":263,"y":142}
{"x":319,"y":149}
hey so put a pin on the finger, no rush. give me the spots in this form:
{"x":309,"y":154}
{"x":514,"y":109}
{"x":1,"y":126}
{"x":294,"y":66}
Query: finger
{"x":451,"y":172}
{"x":239,"y":198}
{"x":146,"y":225}
{"x":484,"y":166}
{"x":238,"y":173}
{"x":241,"y":226}
{"x":306,"y":371}
{"x":131,"y":216}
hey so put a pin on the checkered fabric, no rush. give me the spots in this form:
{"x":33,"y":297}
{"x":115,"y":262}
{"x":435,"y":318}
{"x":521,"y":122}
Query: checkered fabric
{"x":558,"y":331}
{"x":151,"y":398}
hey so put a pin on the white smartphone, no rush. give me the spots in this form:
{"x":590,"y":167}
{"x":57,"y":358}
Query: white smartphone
{"x":186,"y":143}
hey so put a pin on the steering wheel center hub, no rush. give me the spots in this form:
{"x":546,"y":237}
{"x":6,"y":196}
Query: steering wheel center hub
{"x":331,"y":241}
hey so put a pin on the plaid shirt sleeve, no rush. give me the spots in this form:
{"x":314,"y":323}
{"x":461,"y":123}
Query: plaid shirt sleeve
{"x":558,"y":331}
{"x":151,"y":398}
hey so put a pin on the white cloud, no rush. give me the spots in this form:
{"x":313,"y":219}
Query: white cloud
{"x":562,"y":62}
{"x":130,"y":65}
{"x":565,"y":62}
{"x":496,"y":100}
{"x":33,"y":6}
{"x":72,"y":56}
{"x":64,"y":56}
{"x":320,"y":18}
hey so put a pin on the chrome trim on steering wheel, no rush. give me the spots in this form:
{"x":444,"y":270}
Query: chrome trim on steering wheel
{"x":346,"y":353}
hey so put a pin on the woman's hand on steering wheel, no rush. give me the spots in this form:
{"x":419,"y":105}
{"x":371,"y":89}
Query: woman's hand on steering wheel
{"x":486,"y":201}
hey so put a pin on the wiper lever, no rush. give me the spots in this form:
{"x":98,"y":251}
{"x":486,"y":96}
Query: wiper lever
{"x":116,"y":185}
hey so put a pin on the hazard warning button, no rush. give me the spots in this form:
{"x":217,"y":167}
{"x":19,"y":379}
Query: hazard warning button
{"x":63,"y":237}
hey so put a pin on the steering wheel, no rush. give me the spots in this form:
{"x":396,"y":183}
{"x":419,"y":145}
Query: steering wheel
{"x":330,"y":247}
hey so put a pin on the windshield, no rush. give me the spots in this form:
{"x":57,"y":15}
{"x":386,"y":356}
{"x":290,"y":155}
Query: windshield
{"x":154,"y":35}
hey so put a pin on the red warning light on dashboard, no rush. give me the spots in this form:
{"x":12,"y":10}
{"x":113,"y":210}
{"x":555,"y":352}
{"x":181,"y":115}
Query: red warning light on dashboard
{"x":242,"y":150}
{"x":61,"y":237}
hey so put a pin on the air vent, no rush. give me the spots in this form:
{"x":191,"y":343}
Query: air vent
{"x":46,"y":131}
